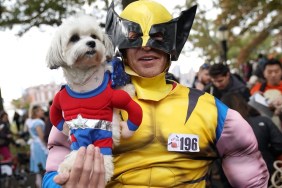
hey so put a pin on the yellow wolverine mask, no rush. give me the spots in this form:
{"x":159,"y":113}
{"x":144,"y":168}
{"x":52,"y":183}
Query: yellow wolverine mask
{"x":147,"y":23}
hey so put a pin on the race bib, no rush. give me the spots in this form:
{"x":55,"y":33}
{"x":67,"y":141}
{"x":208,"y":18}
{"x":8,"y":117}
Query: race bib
{"x":183,"y":143}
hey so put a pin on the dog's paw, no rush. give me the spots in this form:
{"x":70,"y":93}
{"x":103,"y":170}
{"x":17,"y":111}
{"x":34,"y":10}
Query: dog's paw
{"x":109,"y":167}
{"x":64,"y":168}
{"x":116,"y":127}
{"x":67,"y":164}
{"x":130,"y":89}
{"x":125,"y":132}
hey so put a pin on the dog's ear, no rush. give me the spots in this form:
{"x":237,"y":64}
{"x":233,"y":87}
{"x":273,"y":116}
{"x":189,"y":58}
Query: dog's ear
{"x":54,"y":56}
{"x":109,"y":47}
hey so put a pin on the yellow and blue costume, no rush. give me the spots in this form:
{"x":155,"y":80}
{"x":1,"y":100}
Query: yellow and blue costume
{"x":183,"y":130}
{"x":145,"y":160}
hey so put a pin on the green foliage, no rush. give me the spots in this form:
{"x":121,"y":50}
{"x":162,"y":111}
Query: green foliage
{"x":21,"y":103}
{"x":31,"y":13}
{"x":256,"y":22}
{"x":250,"y":23}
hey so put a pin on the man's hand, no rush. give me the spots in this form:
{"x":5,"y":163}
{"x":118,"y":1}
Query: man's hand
{"x":88,"y":170}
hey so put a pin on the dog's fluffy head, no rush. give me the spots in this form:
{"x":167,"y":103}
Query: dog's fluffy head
{"x":79,"y":42}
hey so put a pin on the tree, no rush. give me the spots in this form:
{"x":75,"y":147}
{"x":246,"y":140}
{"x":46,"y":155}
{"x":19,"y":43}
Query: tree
{"x":203,"y":33}
{"x":251,"y":23}
{"x":39,"y":12}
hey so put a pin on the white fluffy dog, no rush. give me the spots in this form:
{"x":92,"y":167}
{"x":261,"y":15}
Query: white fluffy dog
{"x":81,"y":48}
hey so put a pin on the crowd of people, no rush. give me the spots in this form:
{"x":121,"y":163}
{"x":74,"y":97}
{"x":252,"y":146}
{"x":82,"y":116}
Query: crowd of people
{"x":29,"y":138}
{"x":209,"y":135}
{"x":237,"y":93}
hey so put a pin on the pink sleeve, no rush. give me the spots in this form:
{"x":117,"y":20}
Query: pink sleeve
{"x":242,"y":163}
{"x":59,"y":147}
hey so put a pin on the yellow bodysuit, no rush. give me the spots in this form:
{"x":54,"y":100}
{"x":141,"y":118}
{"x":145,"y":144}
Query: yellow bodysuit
{"x":182,"y":131}
{"x":144,"y":159}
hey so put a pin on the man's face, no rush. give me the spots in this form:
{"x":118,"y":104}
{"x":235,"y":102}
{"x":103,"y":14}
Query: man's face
{"x":221,"y":82}
{"x":146,"y":62}
{"x":272,"y":74}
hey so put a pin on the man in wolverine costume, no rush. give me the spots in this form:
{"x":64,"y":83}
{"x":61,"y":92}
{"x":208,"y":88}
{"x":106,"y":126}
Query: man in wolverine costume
{"x":183,"y":130}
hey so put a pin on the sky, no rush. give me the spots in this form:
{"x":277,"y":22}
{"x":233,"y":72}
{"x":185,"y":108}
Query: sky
{"x":23,"y":63}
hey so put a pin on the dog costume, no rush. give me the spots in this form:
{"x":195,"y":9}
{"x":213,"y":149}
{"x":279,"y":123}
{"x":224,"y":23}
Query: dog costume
{"x":89,"y":115}
{"x":85,"y":109}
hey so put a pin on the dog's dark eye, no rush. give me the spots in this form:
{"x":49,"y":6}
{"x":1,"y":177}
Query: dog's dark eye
{"x":74,"y":38}
{"x":94,"y":36}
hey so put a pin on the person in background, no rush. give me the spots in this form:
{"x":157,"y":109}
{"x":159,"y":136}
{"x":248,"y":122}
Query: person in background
{"x":47,"y":123}
{"x":202,"y":79}
{"x":272,"y":73}
{"x":268,"y":135}
{"x":38,"y":150}
{"x":24,"y":134}
{"x":183,"y":129}
{"x":246,"y":69}
{"x":17,"y":121}
{"x":6,"y":137}
{"x":271,"y":88}
{"x":224,"y":82}
{"x":260,"y":64}
{"x":257,"y":70}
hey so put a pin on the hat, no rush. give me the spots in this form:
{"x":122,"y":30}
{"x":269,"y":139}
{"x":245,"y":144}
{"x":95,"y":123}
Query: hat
{"x":148,"y":23}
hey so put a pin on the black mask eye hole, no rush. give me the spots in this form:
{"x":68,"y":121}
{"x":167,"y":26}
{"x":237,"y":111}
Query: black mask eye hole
{"x":93,"y":36}
{"x":74,"y":38}
{"x":133,"y":35}
{"x":157,"y":36}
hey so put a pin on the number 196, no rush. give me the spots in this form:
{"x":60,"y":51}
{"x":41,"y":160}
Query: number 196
{"x":188,"y":143}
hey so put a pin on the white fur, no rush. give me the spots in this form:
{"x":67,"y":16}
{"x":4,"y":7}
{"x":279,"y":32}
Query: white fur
{"x":116,"y":127}
{"x":77,"y":66}
{"x":83,"y":66}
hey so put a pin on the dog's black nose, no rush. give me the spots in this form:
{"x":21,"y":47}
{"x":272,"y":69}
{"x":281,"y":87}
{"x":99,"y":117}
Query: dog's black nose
{"x":91,"y":44}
